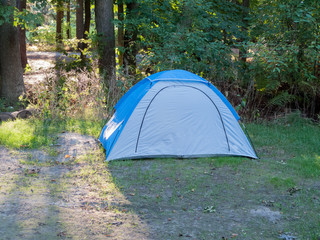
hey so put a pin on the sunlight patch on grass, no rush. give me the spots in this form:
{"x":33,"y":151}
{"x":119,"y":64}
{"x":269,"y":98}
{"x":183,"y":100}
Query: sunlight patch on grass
{"x":34,"y":133}
{"x":22,"y":133}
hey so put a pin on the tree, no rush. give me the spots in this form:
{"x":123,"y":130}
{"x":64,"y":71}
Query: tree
{"x":246,"y":8}
{"x":11,"y":74}
{"x":59,"y":19}
{"x":79,"y":22}
{"x":120,"y":36}
{"x":87,"y":18}
{"x":106,"y":38}
{"x":21,"y":5}
{"x":68,"y":20}
{"x":130,"y":40}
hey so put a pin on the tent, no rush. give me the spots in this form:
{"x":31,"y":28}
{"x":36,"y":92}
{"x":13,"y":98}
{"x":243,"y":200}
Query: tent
{"x":174,"y":114}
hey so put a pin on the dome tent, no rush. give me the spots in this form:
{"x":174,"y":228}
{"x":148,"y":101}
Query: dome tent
{"x":174,"y":113}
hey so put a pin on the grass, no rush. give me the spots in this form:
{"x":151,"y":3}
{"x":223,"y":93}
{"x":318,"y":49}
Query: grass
{"x":294,"y":145}
{"x":34,"y":133}
{"x":207,"y":198}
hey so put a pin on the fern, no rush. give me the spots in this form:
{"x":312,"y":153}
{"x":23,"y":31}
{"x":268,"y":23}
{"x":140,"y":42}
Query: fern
{"x":281,"y":99}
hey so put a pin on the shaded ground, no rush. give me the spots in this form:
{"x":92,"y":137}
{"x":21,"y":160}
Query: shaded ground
{"x":44,"y":195}
{"x":68,"y":192}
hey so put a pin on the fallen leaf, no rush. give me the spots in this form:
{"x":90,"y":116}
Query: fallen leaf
{"x":209,"y":209}
{"x":132,"y":194}
{"x":66,"y":156}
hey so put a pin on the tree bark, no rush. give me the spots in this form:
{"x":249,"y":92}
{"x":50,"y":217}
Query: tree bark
{"x":86,"y":28}
{"x":59,"y":19}
{"x":120,"y":36}
{"x":87,"y":14}
{"x":243,"y":51}
{"x":21,"y":5}
{"x":68,"y":20}
{"x":130,"y":39}
{"x":106,"y":38}
{"x":11,"y":74}
{"x":79,"y":22}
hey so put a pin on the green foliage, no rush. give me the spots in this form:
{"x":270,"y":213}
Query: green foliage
{"x":279,"y":38}
{"x":285,"y":64}
{"x":42,"y":34}
{"x":5,"y":14}
{"x":192,"y":35}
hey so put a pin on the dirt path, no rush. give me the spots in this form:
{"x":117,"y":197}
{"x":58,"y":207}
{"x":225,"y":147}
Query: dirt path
{"x":46,"y":194}
{"x":40,"y":63}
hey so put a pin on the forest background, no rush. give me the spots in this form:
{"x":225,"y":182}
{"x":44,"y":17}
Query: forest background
{"x":263,"y":55}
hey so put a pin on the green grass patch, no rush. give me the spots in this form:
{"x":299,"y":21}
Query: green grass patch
{"x":31,"y":133}
{"x":34,"y":133}
{"x":295,"y":145}
{"x":282,"y":182}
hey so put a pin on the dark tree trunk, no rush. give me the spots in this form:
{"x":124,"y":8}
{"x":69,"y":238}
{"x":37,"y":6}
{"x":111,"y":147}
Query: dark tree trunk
{"x":87,"y":19}
{"x":79,"y":22}
{"x":120,"y":36}
{"x":21,"y":5}
{"x":59,"y":21}
{"x":106,"y":38}
{"x":243,"y":51}
{"x":68,"y":20}
{"x":11,"y":74}
{"x":130,"y":42}
{"x":87,"y":12}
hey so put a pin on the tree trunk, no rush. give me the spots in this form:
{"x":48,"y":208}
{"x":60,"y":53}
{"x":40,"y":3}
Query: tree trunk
{"x":87,"y":12}
{"x":79,"y":22}
{"x":106,"y":38}
{"x":120,"y":32}
{"x":11,"y":74}
{"x":59,"y":21}
{"x":243,"y":51}
{"x":87,"y":19}
{"x":130,"y":39}
{"x":21,"y":5}
{"x":68,"y":20}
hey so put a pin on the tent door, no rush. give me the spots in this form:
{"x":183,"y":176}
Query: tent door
{"x":183,"y":120}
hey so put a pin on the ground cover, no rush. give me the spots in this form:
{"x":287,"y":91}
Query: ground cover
{"x":63,"y":189}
